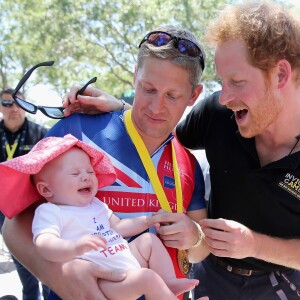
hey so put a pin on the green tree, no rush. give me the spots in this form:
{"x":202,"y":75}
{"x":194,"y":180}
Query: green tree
{"x":88,"y":38}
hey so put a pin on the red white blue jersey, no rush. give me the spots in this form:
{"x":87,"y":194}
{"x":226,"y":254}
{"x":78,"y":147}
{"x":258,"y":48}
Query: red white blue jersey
{"x":132,"y":194}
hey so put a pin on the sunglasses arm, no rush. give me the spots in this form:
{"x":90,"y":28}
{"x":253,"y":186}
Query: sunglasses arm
{"x":81,"y":91}
{"x":27,"y":75}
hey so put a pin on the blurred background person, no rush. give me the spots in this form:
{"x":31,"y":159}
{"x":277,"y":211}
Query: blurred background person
{"x":17,"y":136}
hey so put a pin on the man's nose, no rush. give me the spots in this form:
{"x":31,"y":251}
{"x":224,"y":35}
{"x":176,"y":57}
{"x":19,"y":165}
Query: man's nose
{"x":226,"y":96}
{"x":157,"y":103}
{"x":15,"y":106}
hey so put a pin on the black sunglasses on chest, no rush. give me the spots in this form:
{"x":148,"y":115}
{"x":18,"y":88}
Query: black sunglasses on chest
{"x":185,"y":46}
{"x":49,"y":111}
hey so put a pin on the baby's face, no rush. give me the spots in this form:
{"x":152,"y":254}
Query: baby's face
{"x":71,"y":178}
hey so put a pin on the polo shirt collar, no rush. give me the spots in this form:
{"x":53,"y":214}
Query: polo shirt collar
{"x":291,"y":161}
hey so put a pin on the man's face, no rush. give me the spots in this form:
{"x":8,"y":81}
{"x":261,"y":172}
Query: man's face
{"x":245,"y":91}
{"x":13,"y":113}
{"x":162,"y":93}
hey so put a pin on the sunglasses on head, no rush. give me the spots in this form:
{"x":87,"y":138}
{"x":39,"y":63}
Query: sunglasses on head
{"x":185,"y":46}
{"x":49,"y":111}
{"x":7,"y":103}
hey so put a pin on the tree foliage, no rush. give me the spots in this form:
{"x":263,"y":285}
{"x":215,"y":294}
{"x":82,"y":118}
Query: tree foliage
{"x":88,"y":38}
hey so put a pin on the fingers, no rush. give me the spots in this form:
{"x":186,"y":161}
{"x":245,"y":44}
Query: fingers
{"x":215,"y":234}
{"x":79,"y":281}
{"x":218,"y":224}
{"x":215,"y":243}
{"x":176,"y":230}
{"x":90,"y":242}
{"x":72,"y":108}
{"x":70,"y":97}
{"x":88,"y":96}
{"x":101,"y":242}
{"x":164,"y":217}
{"x":228,"y":238}
{"x":93,"y":101}
{"x":95,"y":245}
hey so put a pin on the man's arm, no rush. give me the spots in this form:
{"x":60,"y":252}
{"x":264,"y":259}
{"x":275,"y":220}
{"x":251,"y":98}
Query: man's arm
{"x":72,"y":280}
{"x":94,"y":101}
{"x":227,"y":238}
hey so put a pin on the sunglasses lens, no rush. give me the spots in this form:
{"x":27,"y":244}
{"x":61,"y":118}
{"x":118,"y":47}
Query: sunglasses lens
{"x":159,"y":39}
{"x":188,"y":48}
{"x":53,"y":112}
{"x":26,"y":105}
{"x":7,"y":103}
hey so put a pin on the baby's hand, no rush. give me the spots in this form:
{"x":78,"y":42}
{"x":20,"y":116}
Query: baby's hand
{"x":90,"y":242}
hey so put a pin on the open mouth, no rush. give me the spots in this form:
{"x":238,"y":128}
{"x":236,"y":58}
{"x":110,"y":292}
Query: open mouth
{"x":240,"y":114}
{"x":85,"y":190}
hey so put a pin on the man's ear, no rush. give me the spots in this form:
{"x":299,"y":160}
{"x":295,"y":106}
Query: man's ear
{"x":284,"y":73}
{"x":196,"y":93}
{"x":43,"y":189}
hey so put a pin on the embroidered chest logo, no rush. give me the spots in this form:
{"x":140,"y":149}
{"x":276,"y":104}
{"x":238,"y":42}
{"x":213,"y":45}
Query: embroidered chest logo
{"x":291,"y":184}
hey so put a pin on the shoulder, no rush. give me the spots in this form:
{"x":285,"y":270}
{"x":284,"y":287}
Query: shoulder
{"x":96,"y":202}
{"x":183,"y":152}
{"x":87,"y":121}
{"x":36,"y":126}
{"x":46,"y":208}
{"x":36,"y":130}
{"x":209,"y":104}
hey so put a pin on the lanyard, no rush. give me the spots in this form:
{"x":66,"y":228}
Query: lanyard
{"x":10,"y":150}
{"x":150,"y":169}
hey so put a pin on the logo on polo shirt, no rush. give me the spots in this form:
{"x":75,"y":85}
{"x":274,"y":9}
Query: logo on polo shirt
{"x":169,"y":182}
{"x":291,"y":184}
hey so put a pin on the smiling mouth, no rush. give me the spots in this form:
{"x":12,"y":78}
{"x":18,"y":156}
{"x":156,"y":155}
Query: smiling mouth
{"x":155,"y":118}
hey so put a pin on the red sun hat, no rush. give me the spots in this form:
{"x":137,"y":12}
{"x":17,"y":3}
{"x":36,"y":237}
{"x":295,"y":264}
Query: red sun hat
{"x":17,"y":190}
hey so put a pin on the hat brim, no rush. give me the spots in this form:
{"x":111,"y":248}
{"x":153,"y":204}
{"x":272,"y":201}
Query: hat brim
{"x":17,"y":190}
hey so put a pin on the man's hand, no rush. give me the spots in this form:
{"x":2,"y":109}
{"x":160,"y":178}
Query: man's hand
{"x":227,"y":238}
{"x":94,"y":101}
{"x":176,"y":230}
{"x":79,"y":280}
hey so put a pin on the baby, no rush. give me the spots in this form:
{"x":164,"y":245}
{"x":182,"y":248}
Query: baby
{"x":74,"y":224}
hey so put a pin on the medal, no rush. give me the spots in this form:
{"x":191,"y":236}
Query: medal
{"x":182,"y":257}
{"x":183,"y":262}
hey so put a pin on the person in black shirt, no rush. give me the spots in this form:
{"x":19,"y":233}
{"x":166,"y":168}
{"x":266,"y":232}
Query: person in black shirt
{"x":250,"y":131}
{"x":17,"y":136}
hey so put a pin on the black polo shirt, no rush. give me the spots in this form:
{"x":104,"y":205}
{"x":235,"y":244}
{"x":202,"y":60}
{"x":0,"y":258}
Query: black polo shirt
{"x":265,"y":199}
{"x":30,"y":134}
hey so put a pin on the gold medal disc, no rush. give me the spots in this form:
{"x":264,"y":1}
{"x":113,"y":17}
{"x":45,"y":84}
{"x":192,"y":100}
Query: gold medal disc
{"x":183,"y":261}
